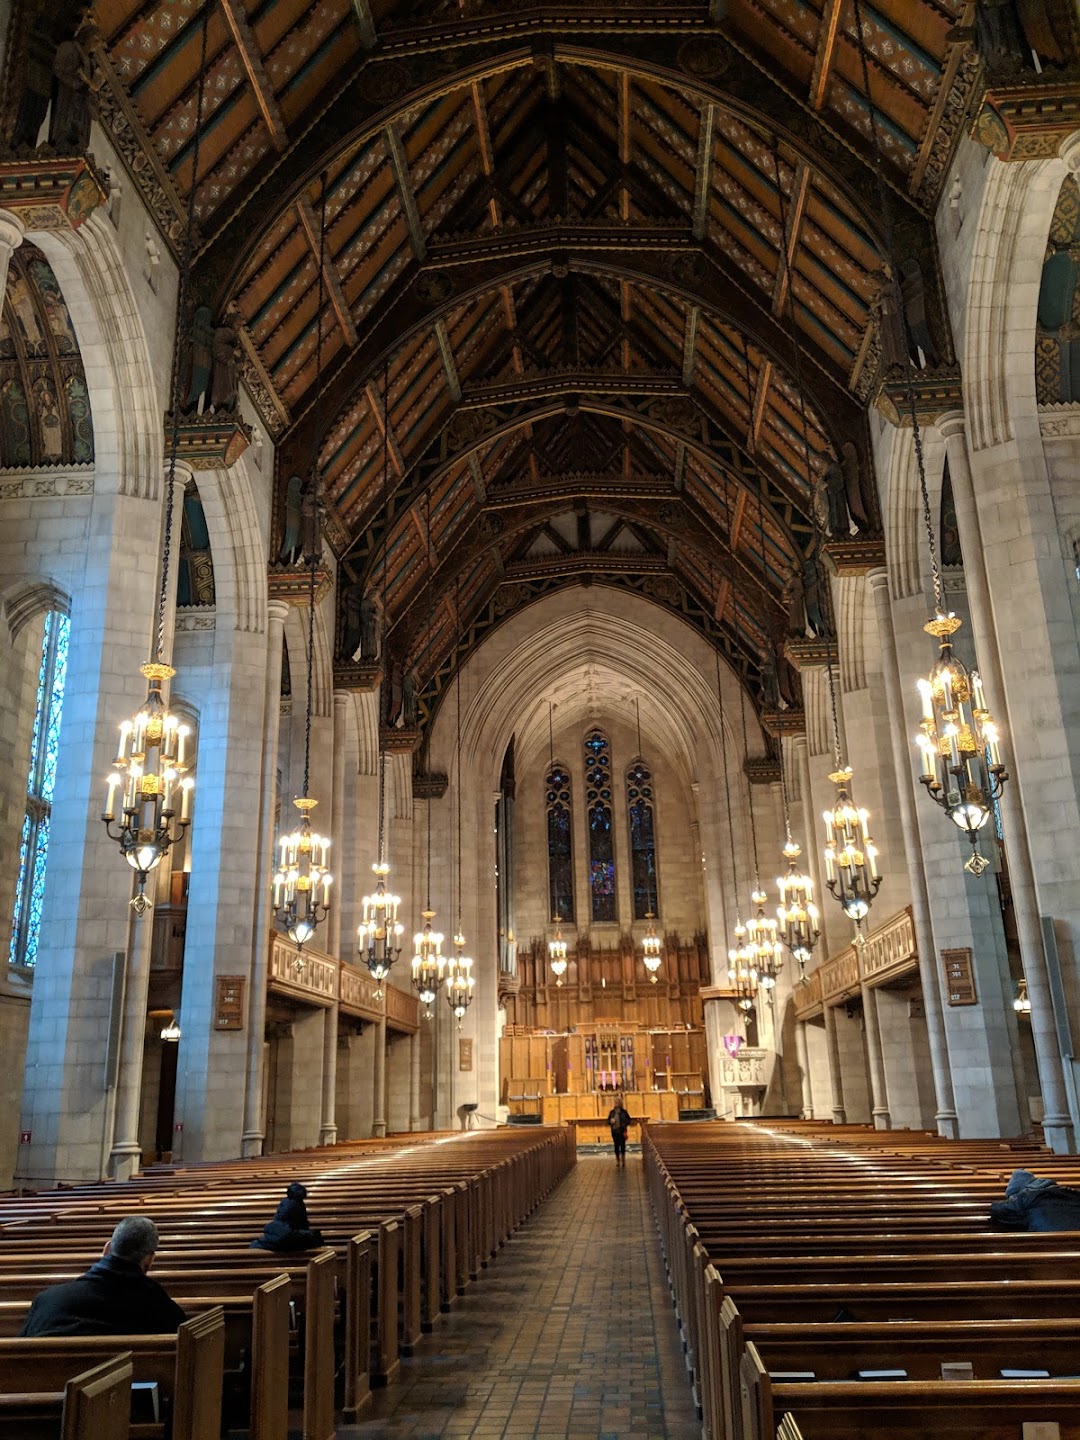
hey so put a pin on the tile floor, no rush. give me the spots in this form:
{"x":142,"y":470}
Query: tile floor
{"x":569,"y":1333}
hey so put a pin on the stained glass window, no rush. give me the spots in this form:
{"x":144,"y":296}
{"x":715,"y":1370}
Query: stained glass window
{"x":639,"y":798}
{"x":560,"y":844}
{"x":601,"y":835}
{"x":41,"y":780}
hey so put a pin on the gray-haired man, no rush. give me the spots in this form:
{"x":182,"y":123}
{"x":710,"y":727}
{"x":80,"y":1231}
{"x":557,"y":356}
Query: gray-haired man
{"x":115,"y":1297}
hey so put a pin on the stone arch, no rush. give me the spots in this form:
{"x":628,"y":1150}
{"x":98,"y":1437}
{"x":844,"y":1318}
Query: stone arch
{"x":26,"y":600}
{"x":237,"y":543}
{"x":999,"y":334}
{"x":128,"y":432}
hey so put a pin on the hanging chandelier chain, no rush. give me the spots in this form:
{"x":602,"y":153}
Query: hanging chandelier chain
{"x":384,"y":617}
{"x":315,"y":537}
{"x":457,"y":747}
{"x":181,"y":307}
{"x":784,"y":791}
{"x":749,"y":788}
{"x":727,"y":786}
{"x":831,"y":644}
{"x":885,"y":202}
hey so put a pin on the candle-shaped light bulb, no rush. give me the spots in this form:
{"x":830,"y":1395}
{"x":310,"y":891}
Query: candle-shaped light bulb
{"x":977,"y":691}
{"x":185,"y":799}
{"x":121,"y":749}
{"x":114,"y":782}
{"x":183,"y":731}
{"x":926,"y":695}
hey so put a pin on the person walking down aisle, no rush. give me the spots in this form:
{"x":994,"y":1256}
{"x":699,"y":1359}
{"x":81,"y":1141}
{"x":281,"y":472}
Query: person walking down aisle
{"x":619,"y":1120}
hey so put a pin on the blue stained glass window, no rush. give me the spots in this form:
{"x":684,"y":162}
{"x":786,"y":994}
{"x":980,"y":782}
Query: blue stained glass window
{"x":601,"y":836}
{"x":560,"y":844}
{"x":639,"y":796}
{"x":40,"y":783}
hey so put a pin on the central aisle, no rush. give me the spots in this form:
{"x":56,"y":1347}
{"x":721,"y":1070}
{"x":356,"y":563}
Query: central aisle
{"x":569,"y":1333}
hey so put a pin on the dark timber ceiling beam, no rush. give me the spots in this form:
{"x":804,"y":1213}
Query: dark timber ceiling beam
{"x":385,"y":88}
{"x":247,"y":48}
{"x":703,"y":171}
{"x":656,"y":258}
{"x":310,"y":223}
{"x":365,"y":24}
{"x":794,"y":211}
{"x":823,"y":57}
{"x":399,"y":164}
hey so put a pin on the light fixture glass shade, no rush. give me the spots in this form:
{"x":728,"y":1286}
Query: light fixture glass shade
{"x":151,"y":780}
{"x":428,"y":961}
{"x":459,"y":978}
{"x":958,"y":742}
{"x":652,"y":949}
{"x":302,"y":880}
{"x":378,"y":937}
{"x":171,"y":1032}
{"x":851,"y":872}
{"x":797,"y":916}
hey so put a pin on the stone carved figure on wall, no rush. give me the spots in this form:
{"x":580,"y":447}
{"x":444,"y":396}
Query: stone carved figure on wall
{"x":225,"y":375}
{"x":202,"y":337}
{"x":310,"y":526}
{"x":409,"y":691}
{"x":289,"y":550}
{"x":845,"y":504}
{"x":792,"y":599}
{"x":350,"y":621}
{"x":837,"y":519}
{"x":37,"y":80}
{"x":1007,"y":31}
{"x":885,"y":309}
{"x":369,"y":628}
{"x":394,"y":695}
{"x":913,"y":293}
{"x":815,"y":614}
{"x":72,"y":102}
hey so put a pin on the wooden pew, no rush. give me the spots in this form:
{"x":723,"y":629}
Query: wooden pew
{"x":939,"y":1410}
{"x":187,"y":1367}
{"x":96,"y":1403}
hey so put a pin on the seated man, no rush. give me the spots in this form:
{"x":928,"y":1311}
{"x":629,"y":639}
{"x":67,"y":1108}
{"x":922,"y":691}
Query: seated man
{"x":115,"y":1296}
{"x":290,"y":1228}
{"x":1034,"y":1204}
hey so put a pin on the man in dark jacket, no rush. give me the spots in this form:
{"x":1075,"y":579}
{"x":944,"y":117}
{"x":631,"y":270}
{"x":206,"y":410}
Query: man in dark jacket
{"x":115,"y":1297}
{"x":1034,"y":1204}
{"x":290,"y":1228}
{"x":619,"y":1120}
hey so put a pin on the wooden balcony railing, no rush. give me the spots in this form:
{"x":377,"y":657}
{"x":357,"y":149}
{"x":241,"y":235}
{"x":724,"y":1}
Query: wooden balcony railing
{"x":317,"y":979}
{"x":889,"y":951}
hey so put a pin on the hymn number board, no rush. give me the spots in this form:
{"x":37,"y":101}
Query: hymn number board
{"x":959,"y":977}
{"x":229,"y":1011}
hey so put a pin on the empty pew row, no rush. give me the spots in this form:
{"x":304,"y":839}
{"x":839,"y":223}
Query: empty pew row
{"x":852,"y":1286}
{"x":408,"y":1225}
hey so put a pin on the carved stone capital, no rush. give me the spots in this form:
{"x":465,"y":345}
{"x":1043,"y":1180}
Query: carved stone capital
{"x":52,"y":193}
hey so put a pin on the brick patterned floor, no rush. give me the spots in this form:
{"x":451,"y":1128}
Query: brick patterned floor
{"x":569,"y":1333}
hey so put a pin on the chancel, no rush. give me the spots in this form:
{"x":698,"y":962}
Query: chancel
{"x":592,"y":489}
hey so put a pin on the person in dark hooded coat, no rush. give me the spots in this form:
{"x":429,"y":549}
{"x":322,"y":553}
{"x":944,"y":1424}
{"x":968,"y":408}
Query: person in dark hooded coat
{"x":290,"y":1228}
{"x":1034,"y":1204}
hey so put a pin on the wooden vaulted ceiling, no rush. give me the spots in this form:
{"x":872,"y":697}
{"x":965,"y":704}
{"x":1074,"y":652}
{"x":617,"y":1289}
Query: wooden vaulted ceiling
{"x":580,"y":261}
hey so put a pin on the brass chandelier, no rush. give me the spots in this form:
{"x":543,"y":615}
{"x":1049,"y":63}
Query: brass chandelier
{"x":428,"y":961}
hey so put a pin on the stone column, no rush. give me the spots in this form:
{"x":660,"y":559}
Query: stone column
{"x":328,"y":1125}
{"x":414,"y":1081}
{"x":1057,"y":1123}
{"x":11,"y":237}
{"x":126,"y":1154}
{"x":804,"y":1070}
{"x":337,"y":819}
{"x":254,"y":1119}
{"x":879,"y":1088}
{"x":920,"y":904}
{"x":836,"y":1075}
{"x":378,"y":1079}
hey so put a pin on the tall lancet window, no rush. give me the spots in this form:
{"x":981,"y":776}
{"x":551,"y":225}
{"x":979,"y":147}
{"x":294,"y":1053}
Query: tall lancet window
{"x":601,"y":835}
{"x":639,"y":799}
{"x":34,"y":845}
{"x":560,"y":845}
